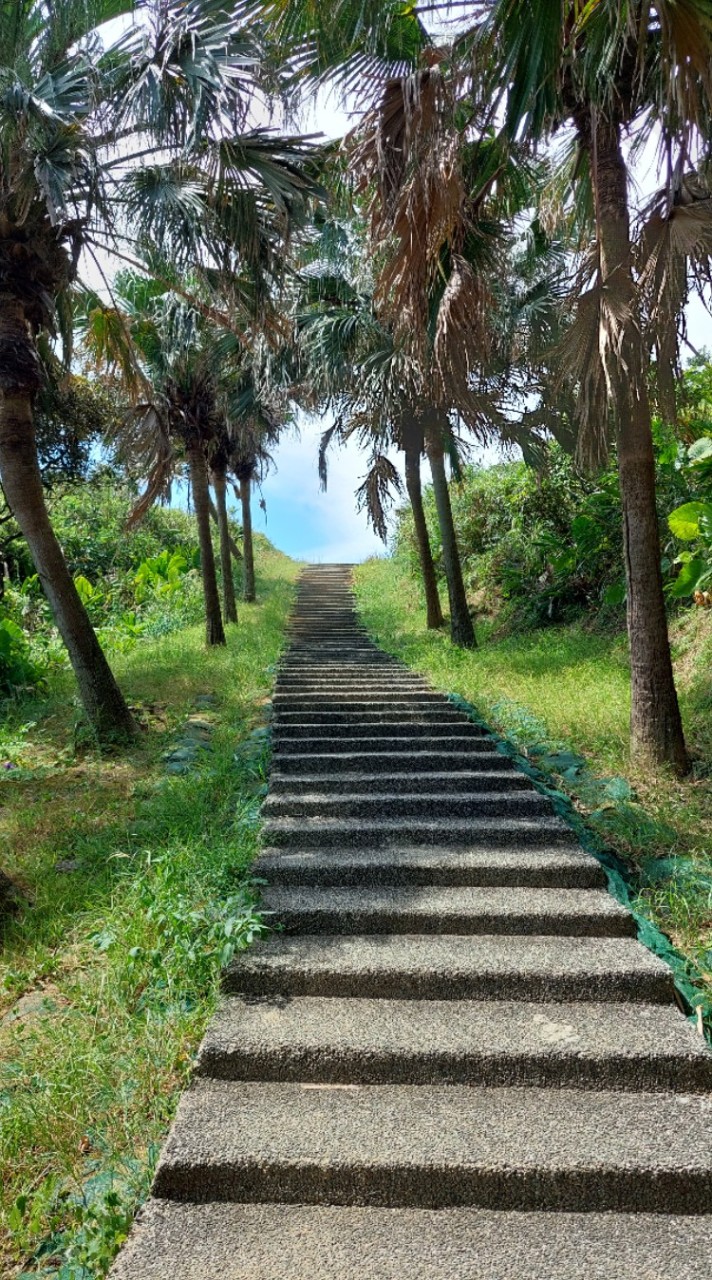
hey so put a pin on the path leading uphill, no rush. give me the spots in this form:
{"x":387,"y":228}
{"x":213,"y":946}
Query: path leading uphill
{"x":456,"y":1061}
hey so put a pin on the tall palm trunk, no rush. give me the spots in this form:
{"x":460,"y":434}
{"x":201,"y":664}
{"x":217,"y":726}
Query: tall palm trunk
{"x":248,"y":551}
{"x":656,"y":725}
{"x":413,"y":448}
{"x":228,"y":586}
{"x":461,"y":629}
{"x":20,"y":474}
{"x":214,"y":630}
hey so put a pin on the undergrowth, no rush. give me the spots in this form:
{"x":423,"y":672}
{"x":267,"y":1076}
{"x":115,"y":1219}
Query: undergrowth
{"x":138,"y":890}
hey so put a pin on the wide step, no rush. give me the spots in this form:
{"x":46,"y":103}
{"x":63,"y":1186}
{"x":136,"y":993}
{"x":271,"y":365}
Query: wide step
{"x":437,"y":1147}
{"x":310,"y":1242}
{"x":539,"y":868}
{"x":357,"y":804}
{"x":461,"y":910}
{"x":352,"y":832}
{"x":329,"y":1041}
{"x":442,"y":967}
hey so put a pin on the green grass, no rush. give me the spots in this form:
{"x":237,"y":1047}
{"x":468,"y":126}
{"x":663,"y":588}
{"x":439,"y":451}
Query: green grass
{"x":561,"y":694}
{"x":113,"y":965}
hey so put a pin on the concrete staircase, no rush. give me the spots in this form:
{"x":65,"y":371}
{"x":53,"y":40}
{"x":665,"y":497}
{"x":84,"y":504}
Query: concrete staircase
{"x":456,"y":1060}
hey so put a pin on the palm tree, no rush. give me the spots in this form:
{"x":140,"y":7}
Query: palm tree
{"x":219,"y":462}
{"x":608,"y":70}
{"x":102,"y":150}
{"x":175,"y":379}
{"x":256,"y":411}
{"x":346,"y":362}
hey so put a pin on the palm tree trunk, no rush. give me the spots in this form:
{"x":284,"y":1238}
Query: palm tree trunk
{"x":214,"y":631}
{"x":461,"y":629}
{"x":656,"y":725}
{"x":248,"y":551}
{"x":234,"y":549}
{"x":229,"y":605}
{"x":20,"y":474}
{"x":413,"y":451}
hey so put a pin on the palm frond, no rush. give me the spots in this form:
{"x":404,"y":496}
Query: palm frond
{"x":377,"y":493}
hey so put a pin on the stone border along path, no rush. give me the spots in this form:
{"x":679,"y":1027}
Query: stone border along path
{"x":456,"y":1061}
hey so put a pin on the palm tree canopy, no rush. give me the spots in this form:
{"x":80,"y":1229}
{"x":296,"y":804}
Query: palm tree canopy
{"x":145,"y":148}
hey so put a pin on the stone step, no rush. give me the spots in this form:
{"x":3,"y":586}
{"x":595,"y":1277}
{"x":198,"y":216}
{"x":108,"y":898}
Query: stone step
{"x":424,"y":784}
{"x":384,"y":666}
{"x":583,"y":1046}
{"x":440,"y":1146}
{"x":354,"y":832}
{"x":379,"y":680}
{"x":400,"y":714}
{"x":384,"y":738}
{"x":407,"y":803}
{"x":431,"y":967}
{"x":358,"y":721}
{"x":462,"y":909}
{"x":174,"y":1241}
{"x":322,"y":673}
{"x":566,"y":868}
{"x":369,"y":700}
{"x":345,"y":761}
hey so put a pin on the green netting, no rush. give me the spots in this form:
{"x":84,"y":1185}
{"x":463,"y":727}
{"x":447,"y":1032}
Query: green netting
{"x":687,"y":976}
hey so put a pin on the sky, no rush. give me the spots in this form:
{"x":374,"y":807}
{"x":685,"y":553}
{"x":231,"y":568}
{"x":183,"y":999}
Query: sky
{"x":301,"y":519}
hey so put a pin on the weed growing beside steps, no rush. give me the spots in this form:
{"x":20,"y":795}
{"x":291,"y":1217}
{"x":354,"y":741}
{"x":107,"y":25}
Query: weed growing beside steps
{"x":140,"y":891}
{"x":561,"y":695}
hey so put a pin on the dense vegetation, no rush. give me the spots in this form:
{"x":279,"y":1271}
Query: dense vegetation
{"x":543,"y":543}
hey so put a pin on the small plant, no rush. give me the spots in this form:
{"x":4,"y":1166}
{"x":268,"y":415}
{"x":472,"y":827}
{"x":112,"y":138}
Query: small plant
{"x":19,"y":672}
{"x":692,"y":522}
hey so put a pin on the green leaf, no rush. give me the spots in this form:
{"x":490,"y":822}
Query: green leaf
{"x":615,"y":594}
{"x":686,"y":521}
{"x":700,"y":451}
{"x":688,"y":578}
{"x":85,"y":590}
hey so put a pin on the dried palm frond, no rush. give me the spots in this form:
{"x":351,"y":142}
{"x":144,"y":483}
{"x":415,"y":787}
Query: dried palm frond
{"x":674,"y":255}
{"x":377,"y":493}
{"x":147,"y":444}
{"x":462,"y":327}
{"x":582,"y":355}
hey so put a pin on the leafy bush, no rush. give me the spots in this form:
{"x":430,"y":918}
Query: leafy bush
{"x":18,"y":670}
{"x":692,"y":523}
{"x":546,"y":546}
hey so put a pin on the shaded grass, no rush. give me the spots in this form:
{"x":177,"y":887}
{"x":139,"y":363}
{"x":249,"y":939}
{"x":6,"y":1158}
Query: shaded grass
{"x":108,"y":977}
{"x":561,"y":694}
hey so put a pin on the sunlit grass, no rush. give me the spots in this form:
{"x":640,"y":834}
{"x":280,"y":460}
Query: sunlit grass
{"x":113,"y":963}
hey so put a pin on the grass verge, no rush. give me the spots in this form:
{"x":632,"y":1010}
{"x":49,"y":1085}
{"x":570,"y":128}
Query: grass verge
{"x":561,"y":695}
{"x":139,"y":890}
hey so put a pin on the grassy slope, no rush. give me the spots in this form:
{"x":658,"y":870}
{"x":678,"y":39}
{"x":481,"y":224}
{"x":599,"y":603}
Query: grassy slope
{"x":120,"y":956}
{"x":567,"y":688}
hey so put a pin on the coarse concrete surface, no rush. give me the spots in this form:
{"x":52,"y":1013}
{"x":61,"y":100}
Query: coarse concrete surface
{"x":440,"y":1146}
{"x":502,"y":829}
{"x":452,"y":968}
{"x":344,"y":759}
{"x":562,"y":868}
{"x":586,"y":1045}
{"x":458,"y":909}
{"x":524,"y":801}
{"x":432,"y":783}
{"x":288,"y":1242}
